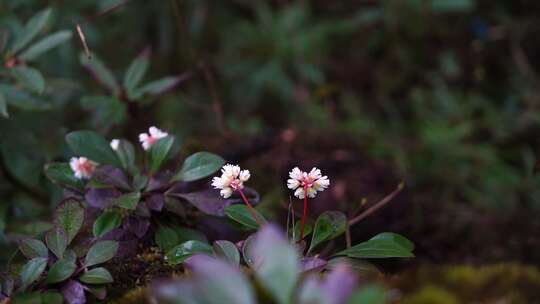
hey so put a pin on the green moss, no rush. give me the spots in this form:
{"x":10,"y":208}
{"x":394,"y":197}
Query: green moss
{"x":135,"y":296}
{"x":509,"y":283}
{"x":431,"y":295}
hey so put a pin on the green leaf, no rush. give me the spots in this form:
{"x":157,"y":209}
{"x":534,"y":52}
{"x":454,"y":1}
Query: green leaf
{"x":93,"y":146}
{"x":166,"y":238}
{"x":136,"y":71}
{"x":387,"y":246}
{"x":183,"y":251}
{"x":308,"y":229}
{"x":397,"y":238}
{"x":276,"y":263}
{"x":60,"y":271}
{"x":37,"y":297}
{"x":199,"y":165}
{"x":106,"y":222}
{"x":3,"y":106}
{"x":32,"y":248}
{"x":242,"y":215}
{"x":101,"y":252}
{"x":69,"y":216}
{"x":140,"y":182}
{"x":62,"y":174}
{"x":29,"y":77}
{"x":45,"y":44}
{"x":70,"y":256}
{"x":56,"y":240}
{"x":22,"y":99}
{"x":31,"y":29}
{"x":31,"y":271}
{"x":52,"y":298}
{"x":329,"y":225}
{"x":186,"y":234}
{"x":228,"y":251}
{"x":126,"y":154}
{"x":128,"y":201}
{"x":98,"y":275}
{"x":157,"y":87}
{"x":100,"y":72}
{"x":158,"y":152}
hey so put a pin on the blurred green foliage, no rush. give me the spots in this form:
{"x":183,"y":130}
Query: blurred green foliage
{"x":444,"y":91}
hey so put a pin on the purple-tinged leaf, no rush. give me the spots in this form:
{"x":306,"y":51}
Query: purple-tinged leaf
{"x":142,"y":211}
{"x":314,"y":264}
{"x":127,"y":248}
{"x":117,"y":234}
{"x":155,"y":202}
{"x":276,"y":263}
{"x":210,"y":202}
{"x":73,"y":292}
{"x":339,"y":284}
{"x":309,"y":292}
{"x":137,"y":226}
{"x":101,"y":198}
{"x":227,"y":283}
{"x":160,"y":180}
{"x":111,"y":176}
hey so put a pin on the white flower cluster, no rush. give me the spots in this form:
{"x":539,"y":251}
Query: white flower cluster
{"x":303,"y":182}
{"x":232,"y":178}
{"x":154,"y":134}
{"x":82,"y":167}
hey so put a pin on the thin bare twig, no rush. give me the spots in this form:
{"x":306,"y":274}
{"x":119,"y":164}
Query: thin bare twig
{"x":83,"y":40}
{"x":80,"y":32}
{"x":377,"y":206}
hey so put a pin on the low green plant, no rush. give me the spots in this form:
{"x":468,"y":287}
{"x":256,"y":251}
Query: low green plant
{"x":66,"y":265}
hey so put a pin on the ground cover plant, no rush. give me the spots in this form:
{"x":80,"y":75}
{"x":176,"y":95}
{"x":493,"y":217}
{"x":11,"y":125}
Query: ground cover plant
{"x":122,"y":123}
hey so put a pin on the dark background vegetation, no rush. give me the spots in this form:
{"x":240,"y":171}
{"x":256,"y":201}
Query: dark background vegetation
{"x":439,"y":94}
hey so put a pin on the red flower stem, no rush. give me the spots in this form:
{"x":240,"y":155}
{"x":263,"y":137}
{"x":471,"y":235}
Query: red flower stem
{"x":304,"y":216}
{"x":250,"y":208}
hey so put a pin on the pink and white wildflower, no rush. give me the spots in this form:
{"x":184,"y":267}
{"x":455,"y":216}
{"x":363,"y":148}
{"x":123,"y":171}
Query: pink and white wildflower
{"x":154,"y":134}
{"x":304,"y":182}
{"x":82,"y":167}
{"x":232,"y":179}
